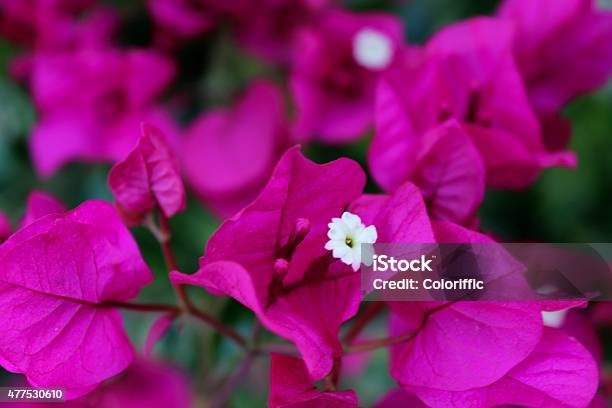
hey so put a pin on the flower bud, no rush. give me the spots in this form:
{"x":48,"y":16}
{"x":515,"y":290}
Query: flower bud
{"x":300,"y":229}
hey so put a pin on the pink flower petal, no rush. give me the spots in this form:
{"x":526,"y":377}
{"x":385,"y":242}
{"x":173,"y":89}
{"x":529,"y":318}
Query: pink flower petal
{"x":467,"y":73}
{"x":286,"y":227}
{"x":393,"y":149}
{"x":578,"y":325}
{"x":157,"y":330}
{"x":145,"y":384}
{"x":400,"y":398}
{"x":94,"y":113}
{"x":181,"y":19}
{"x":559,"y":372}
{"x":268,"y":28}
{"x":298,"y":189}
{"x":314,"y":330}
{"x":401,"y":217}
{"x":148,"y":176}
{"x":40,"y":204}
{"x":6,"y":229}
{"x":55,"y":274}
{"x":461,"y":345}
{"x":509,"y":164}
{"x":290,"y":385}
{"x":450,"y":173}
{"x":229,"y":154}
{"x":562,"y":49}
{"x":333,"y":93}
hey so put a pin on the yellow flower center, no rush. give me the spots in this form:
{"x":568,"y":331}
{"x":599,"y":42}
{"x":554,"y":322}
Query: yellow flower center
{"x":349,"y":241}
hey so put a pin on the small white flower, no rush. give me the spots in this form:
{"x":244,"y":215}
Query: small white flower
{"x":346,"y":236}
{"x":372,"y":49}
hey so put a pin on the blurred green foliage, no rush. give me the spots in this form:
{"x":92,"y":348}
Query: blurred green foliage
{"x":563,"y":206}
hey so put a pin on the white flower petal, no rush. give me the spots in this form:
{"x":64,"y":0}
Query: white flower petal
{"x":369,"y":235}
{"x":352,"y":221}
{"x":347,"y":258}
{"x":335,"y":234}
{"x":349,"y":226}
{"x":341,"y":251}
{"x":329,"y":245}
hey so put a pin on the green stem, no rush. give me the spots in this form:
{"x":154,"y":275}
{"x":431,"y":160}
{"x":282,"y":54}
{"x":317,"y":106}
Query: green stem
{"x":371,"y":311}
{"x":164,"y":237}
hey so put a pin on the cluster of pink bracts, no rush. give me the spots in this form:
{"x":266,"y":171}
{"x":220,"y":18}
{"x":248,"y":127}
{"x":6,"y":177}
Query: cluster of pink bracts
{"x":478,"y":105}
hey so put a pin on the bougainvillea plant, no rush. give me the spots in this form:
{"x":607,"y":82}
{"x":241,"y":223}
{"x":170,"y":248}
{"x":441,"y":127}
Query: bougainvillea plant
{"x":296,"y":131}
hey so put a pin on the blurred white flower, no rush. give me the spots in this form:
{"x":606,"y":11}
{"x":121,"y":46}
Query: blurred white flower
{"x":372,"y":49}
